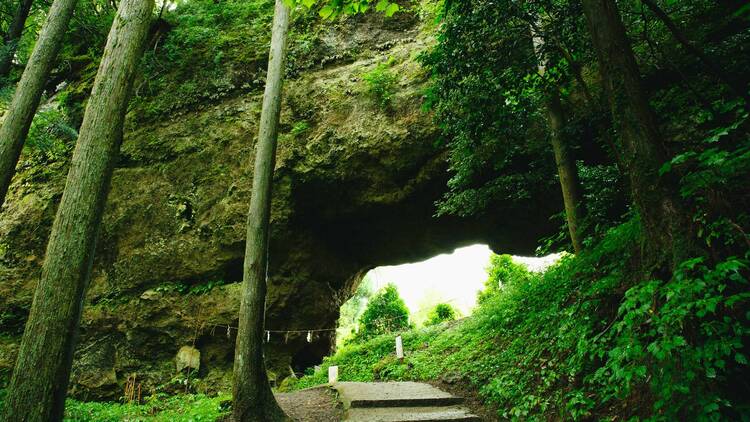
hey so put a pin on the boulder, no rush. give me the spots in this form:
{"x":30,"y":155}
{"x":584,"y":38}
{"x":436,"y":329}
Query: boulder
{"x":188,"y":357}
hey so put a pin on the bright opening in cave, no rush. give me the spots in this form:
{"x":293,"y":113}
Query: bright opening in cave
{"x":455,"y":279}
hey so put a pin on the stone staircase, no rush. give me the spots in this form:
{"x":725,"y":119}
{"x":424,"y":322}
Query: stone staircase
{"x":399,"y":402}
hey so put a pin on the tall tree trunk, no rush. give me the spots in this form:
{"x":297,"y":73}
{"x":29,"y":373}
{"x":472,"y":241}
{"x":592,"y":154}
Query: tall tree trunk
{"x":641,"y":151}
{"x":29,"y":90}
{"x":736,"y":87}
{"x":253,"y":398}
{"x":10,"y":41}
{"x":40,"y":379}
{"x":566,"y":169}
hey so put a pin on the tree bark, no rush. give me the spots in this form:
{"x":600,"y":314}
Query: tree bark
{"x":29,"y":90}
{"x":736,"y":87}
{"x":10,"y":41}
{"x":642,"y":153}
{"x":566,"y":169}
{"x":253,"y":398}
{"x":40,"y":379}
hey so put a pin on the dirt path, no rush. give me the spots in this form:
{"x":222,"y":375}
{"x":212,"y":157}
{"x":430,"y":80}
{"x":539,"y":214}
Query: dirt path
{"x":311,"y":405}
{"x":321,"y":404}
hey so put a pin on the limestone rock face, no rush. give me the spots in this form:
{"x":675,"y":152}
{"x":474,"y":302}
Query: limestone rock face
{"x":354,"y":188}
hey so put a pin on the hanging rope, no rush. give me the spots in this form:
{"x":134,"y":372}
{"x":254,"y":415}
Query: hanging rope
{"x":308,"y":331}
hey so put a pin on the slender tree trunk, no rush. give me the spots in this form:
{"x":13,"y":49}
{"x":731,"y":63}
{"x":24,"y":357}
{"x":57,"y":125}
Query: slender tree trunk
{"x":575,"y":69}
{"x":253,"y":398}
{"x":641,"y":150}
{"x":566,"y":169}
{"x":13,"y":36}
{"x":29,"y":90}
{"x":40,"y":379}
{"x":736,"y":87}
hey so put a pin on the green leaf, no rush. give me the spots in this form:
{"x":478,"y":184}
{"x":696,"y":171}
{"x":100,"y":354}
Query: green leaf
{"x":666,"y":168}
{"x":711,"y":372}
{"x":391,"y":9}
{"x":744,"y":10}
{"x":308,"y":3}
{"x":740,"y":358}
{"x":381,"y":6}
{"x":326,"y":12}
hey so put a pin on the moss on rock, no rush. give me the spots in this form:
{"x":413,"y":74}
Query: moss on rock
{"x":354,"y":188}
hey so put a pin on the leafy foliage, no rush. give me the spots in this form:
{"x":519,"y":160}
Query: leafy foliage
{"x":603,"y":196}
{"x":682,"y":337}
{"x":202,"y":54}
{"x":581,"y":339}
{"x":50,"y":135}
{"x":380,"y":84}
{"x":489,"y":104}
{"x":184,"y":408}
{"x":333,"y":8}
{"x":386,"y":313}
{"x":442,"y":312}
{"x":501,"y":270}
{"x":352,"y":310}
{"x":712,"y":178}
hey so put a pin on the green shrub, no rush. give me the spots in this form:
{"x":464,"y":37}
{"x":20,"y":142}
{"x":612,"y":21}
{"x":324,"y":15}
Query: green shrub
{"x":50,"y":135}
{"x":211,"y":50}
{"x":182,"y":287}
{"x":502,"y":269}
{"x":300,"y":128}
{"x":440,"y":313}
{"x":386,"y":313}
{"x":381,"y":85}
{"x":352,"y":311}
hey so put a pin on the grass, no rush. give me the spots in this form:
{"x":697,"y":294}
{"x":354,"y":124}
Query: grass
{"x":182,"y":408}
{"x":156,"y":408}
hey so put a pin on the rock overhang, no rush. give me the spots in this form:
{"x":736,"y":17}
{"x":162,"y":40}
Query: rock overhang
{"x":354,"y":188}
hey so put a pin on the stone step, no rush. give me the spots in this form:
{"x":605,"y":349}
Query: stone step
{"x":410,"y":414}
{"x":393,"y":394}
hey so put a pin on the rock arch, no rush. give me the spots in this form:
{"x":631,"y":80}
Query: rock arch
{"x":355,"y":188}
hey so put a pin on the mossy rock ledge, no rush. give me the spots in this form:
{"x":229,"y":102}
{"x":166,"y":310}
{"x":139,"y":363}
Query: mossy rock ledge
{"x":355,"y":188}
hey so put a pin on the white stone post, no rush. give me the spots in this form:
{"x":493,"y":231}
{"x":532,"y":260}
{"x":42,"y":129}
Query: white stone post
{"x":399,"y":348}
{"x":333,"y":374}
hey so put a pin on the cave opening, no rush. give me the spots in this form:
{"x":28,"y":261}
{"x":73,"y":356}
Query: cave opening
{"x":453,"y":278}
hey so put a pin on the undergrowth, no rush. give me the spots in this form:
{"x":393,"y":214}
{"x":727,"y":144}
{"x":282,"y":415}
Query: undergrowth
{"x":585,"y":340}
{"x":381,"y":84}
{"x":182,"y":408}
